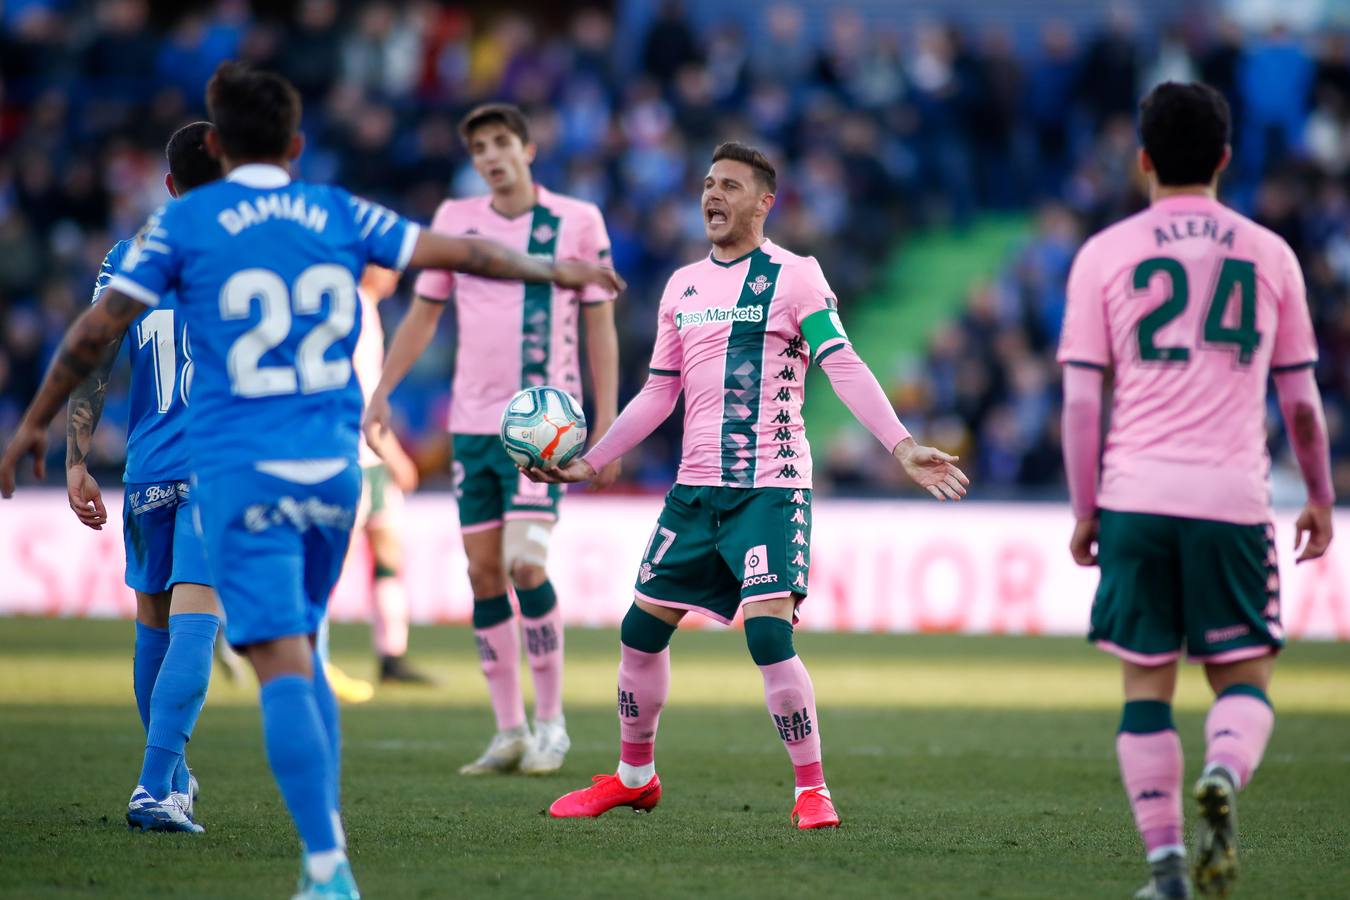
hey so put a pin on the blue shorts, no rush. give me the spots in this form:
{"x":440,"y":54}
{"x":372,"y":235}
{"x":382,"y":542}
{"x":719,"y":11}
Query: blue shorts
{"x":276,"y":548}
{"x":163,"y":546}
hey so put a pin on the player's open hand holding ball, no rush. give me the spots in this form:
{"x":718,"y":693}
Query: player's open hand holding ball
{"x":29,"y":440}
{"x":932,"y":469}
{"x":85,"y":497}
{"x":577,"y":274}
{"x":575,"y":471}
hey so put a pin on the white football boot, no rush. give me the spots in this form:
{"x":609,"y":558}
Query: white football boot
{"x":502,"y":755}
{"x":548,"y":749}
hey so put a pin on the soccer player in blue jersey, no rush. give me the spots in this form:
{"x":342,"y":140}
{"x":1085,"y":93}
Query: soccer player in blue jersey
{"x":176,"y":613}
{"x":265,"y":271}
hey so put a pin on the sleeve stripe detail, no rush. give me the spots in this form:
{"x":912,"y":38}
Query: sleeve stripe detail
{"x":405,"y":252}
{"x":1280,"y":370}
{"x":671,"y":373}
{"x":425,"y":299}
{"x":135,"y":291}
{"x":1084,"y":364}
{"x":829,"y":346}
{"x":820,"y":357}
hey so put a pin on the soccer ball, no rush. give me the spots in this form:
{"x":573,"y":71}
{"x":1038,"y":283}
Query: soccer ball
{"x":543,"y":426}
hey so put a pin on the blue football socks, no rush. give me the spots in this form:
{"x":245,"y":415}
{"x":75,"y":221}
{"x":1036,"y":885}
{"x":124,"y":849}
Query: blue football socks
{"x":298,"y":751}
{"x":180,"y":691}
{"x":328,"y":713}
{"x":151,"y":645}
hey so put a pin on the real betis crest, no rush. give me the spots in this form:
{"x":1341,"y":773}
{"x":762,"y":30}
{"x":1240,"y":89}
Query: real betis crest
{"x":759,"y":285}
{"x":543,"y":234}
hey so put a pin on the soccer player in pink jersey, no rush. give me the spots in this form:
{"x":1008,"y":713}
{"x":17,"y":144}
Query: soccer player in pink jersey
{"x":736,"y":333}
{"x":1192,"y":308}
{"x":387,"y":473}
{"x":512,"y":336}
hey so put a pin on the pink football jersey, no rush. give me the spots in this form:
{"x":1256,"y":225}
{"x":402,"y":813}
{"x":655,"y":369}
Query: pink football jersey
{"x":368,"y":361}
{"x":513,"y":335}
{"x":733,"y":333}
{"x":1192,"y":306}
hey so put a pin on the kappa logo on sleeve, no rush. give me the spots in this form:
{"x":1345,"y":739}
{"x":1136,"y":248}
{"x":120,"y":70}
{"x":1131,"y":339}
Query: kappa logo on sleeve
{"x":757,"y":567}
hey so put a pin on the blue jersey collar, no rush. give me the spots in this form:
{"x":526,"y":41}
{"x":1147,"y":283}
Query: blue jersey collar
{"x":259,"y":175}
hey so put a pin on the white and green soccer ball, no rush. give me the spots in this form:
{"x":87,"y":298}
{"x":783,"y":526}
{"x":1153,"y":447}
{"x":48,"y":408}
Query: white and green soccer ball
{"x":544,"y":427}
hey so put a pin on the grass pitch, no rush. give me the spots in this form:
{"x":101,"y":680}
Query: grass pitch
{"x":963,"y":768}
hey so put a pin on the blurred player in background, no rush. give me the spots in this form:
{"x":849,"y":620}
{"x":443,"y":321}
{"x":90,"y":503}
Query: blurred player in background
{"x":265,"y":272}
{"x":176,"y":610}
{"x":513,"y":336}
{"x":1191,"y":307}
{"x":736,"y":333}
{"x":387,"y":473}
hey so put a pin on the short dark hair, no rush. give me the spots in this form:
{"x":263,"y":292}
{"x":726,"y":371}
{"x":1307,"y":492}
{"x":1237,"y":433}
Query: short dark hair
{"x":189,"y":163}
{"x":1184,"y":128}
{"x":256,"y":113}
{"x":752,"y":157}
{"x":506,"y":114}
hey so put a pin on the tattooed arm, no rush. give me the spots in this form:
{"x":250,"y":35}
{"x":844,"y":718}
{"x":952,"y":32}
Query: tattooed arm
{"x":489,"y":259}
{"x":82,"y":414}
{"x":82,"y":351}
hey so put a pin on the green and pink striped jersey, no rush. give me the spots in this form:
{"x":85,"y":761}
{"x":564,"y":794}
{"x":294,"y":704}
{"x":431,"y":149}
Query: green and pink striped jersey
{"x":1192,"y":306}
{"x":513,"y":335}
{"x":740,"y":335}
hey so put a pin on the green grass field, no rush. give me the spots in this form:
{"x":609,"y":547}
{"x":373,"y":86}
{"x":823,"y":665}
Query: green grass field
{"x":963,"y":767}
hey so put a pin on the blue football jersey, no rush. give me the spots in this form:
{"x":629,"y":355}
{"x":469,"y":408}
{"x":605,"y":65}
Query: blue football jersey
{"x":161,"y":375}
{"x":265,"y":270}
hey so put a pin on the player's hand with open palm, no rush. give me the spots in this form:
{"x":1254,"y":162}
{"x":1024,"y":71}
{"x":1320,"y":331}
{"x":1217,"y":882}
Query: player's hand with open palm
{"x":932,"y":470}
{"x":85,"y":497}
{"x":575,"y":471}
{"x":1314,"y":522}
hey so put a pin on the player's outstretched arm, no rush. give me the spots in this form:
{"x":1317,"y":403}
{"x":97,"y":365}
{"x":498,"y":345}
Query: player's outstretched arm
{"x":602,"y":351}
{"x":82,"y":415}
{"x":81,"y":351}
{"x":410,"y":341}
{"x":855,"y":385}
{"x":489,"y":259}
{"x":652,"y":405}
{"x":1301,"y":407}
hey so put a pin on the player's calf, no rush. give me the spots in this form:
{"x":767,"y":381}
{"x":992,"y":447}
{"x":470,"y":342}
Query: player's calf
{"x":791,"y":699}
{"x":1236,"y":732}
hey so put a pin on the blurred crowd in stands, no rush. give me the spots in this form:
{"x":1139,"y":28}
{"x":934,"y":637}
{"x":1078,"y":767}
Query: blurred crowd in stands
{"x":877,"y":130}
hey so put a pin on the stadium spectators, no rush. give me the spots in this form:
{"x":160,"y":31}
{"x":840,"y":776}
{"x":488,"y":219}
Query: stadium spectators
{"x":877,"y":130}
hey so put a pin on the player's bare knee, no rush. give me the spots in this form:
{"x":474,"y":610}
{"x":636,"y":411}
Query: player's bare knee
{"x":525,"y":546}
{"x":1149,"y":682}
{"x":527,"y":576}
{"x":387,"y":551}
{"x":194,"y":598}
{"x":152,"y":610}
{"x":1255,"y":672}
{"x":487,"y":577}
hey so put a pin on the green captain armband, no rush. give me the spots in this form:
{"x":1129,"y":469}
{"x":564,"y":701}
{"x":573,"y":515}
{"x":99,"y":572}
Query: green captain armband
{"x":824,"y":333}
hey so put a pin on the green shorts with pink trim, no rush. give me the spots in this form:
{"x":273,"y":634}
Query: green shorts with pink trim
{"x":490,"y":488}
{"x":1169,"y":582}
{"x":715,"y":548}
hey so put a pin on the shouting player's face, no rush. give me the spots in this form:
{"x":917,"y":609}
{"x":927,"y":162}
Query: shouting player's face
{"x":500,"y":157}
{"x":734,"y":204}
